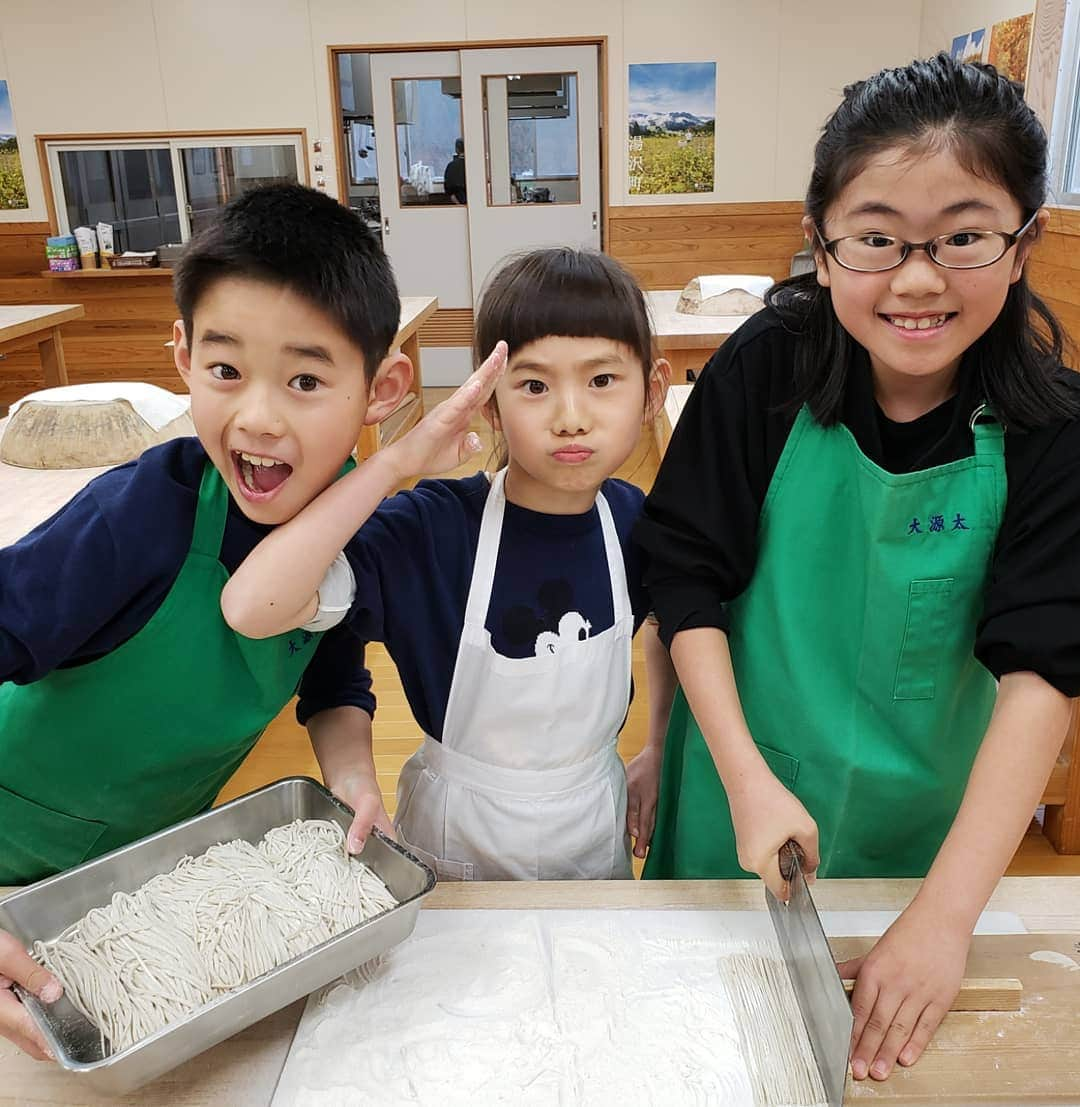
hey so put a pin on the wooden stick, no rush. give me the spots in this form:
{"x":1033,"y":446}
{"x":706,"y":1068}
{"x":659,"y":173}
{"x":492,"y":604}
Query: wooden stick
{"x":987,"y":994}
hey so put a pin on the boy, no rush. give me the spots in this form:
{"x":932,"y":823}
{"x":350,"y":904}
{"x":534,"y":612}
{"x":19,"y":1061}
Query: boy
{"x":126,"y":701}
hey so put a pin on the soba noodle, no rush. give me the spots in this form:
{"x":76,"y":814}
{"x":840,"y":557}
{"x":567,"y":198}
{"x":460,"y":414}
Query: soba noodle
{"x":215,"y":922}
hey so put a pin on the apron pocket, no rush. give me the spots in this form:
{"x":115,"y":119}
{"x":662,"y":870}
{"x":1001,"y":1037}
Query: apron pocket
{"x":440,"y":866}
{"x":784,"y":767}
{"x":408,"y":779}
{"x":924,"y":639}
{"x":38,"y":841}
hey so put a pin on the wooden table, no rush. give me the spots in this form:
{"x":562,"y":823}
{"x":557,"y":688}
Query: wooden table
{"x":24,"y":325}
{"x":665,"y":422}
{"x":415,"y":311}
{"x":687,"y":341}
{"x":1030,"y":1056}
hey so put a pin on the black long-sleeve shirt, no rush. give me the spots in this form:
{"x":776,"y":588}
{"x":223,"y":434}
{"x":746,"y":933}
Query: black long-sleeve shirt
{"x":700,"y":522}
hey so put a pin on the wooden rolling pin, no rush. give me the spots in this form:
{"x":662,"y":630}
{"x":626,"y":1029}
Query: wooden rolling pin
{"x":989,"y":994}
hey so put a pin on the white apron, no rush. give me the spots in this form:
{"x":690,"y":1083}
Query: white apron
{"x":527,"y":783}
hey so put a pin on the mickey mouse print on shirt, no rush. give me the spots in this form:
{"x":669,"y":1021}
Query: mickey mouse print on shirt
{"x":551,"y":626}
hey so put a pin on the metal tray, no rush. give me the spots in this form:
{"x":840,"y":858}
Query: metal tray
{"x":44,"y":910}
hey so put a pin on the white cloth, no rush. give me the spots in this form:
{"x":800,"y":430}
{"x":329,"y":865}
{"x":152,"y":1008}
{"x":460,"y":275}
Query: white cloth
{"x":336,"y":594}
{"x":527,"y":783}
{"x":156,"y":406}
{"x":718,"y":285}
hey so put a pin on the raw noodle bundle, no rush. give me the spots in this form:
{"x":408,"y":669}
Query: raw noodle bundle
{"x":215,"y":922}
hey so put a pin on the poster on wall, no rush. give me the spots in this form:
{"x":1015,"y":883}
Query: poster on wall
{"x":672,"y":128}
{"x":1010,"y":41}
{"x":12,"y":185}
{"x":969,"y":47}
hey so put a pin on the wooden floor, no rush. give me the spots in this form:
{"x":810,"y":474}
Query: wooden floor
{"x":284,"y":749}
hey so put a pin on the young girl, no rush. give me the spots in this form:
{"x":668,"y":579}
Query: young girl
{"x":870,"y":510}
{"x":507,"y":602}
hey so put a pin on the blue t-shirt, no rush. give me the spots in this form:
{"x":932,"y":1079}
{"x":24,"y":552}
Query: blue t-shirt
{"x":90,"y":577}
{"x":413,"y":562}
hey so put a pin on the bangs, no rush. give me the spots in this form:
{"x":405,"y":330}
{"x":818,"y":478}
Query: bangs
{"x":563,"y":293}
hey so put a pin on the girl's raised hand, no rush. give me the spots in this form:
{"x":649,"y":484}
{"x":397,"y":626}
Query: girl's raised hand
{"x":442,"y":439}
{"x":18,"y":967}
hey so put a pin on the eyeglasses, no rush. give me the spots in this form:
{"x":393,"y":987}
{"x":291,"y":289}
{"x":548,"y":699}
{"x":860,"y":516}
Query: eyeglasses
{"x":874,"y":252}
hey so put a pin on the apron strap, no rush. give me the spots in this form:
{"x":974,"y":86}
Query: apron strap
{"x":989,"y":433}
{"x":988,"y":430}
{"x":211,"y":513}
{"x":620,"y":594}
{"x":487,"y":552}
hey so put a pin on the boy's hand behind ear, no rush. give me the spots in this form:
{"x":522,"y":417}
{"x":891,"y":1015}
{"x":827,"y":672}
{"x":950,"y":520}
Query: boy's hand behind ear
{"x":442,"y":439}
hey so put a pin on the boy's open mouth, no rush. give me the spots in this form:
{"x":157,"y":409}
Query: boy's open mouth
{"x":259,"y":477}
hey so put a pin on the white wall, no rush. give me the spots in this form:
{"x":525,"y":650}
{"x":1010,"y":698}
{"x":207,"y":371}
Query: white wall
{"x":943,"y":20}
{"x":158,"y":65}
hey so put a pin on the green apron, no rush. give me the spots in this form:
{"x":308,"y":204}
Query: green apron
{"x":852,"y":652}
{"x":93,"y":757}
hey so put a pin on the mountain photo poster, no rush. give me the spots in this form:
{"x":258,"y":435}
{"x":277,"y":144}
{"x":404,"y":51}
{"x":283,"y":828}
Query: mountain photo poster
{"x":12,"y":185}
{"x":969,"y":47}
{"x":672,"y":134}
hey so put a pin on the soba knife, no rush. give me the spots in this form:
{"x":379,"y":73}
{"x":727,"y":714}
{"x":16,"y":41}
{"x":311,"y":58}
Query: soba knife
{"x":825,"y":1007}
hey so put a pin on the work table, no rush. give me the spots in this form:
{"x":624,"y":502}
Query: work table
{"x":1026,"y":1056}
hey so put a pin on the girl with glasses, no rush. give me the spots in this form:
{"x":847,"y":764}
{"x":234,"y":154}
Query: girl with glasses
{"x":862,"y":542}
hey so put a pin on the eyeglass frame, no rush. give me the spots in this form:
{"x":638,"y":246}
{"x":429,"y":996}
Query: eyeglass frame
{"x":909,"y":247}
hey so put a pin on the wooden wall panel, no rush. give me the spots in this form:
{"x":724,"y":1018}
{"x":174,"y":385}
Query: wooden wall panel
{"x":128,"y":320}
{"x":666,"y":246}
{"x":448,"y":327}
{"x":1054,"y":273}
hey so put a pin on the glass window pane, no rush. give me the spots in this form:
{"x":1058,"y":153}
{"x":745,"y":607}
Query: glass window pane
{"x":431,"y":155}
{"x":364,"y":167}
{"x":1072,"y":170}
{"x":133,"y":190}
{"x":214,"y":175}
{"x":532,"y":139}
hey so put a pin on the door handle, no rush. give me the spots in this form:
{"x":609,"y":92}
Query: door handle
{"x":386,"y":226}
{"x":594,"y":220}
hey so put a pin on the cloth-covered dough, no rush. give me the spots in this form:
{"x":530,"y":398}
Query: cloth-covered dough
{"x":88,"y":425}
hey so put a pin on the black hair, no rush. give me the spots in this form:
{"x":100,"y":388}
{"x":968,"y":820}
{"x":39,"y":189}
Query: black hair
{"x":979,"y":116}
{"x":563,"y":292}
{"x":303,"y":240}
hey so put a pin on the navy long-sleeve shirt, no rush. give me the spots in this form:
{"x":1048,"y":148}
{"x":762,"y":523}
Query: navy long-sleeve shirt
{"x":90,"y":577}
{"x":413,"y":562}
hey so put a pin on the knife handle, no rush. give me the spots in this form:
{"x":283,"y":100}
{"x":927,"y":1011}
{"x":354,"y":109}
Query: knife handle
{"x":791,"y":858}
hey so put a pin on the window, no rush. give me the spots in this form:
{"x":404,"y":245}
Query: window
{"x":531,"y":126}
{"x":161,"y":191}
{"x":427,"y":121}
{"x":1065,"y":133}
{"x":133,"y":189}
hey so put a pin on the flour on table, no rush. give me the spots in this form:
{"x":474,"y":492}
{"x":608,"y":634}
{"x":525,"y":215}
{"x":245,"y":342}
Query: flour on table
{"x":533,"y":1009}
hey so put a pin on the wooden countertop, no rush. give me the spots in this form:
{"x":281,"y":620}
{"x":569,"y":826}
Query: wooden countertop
{"x":415,"y":311}
{"x":1027,"y":1056}
{"x":21,"y":320}
{"x":677,"y":331}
